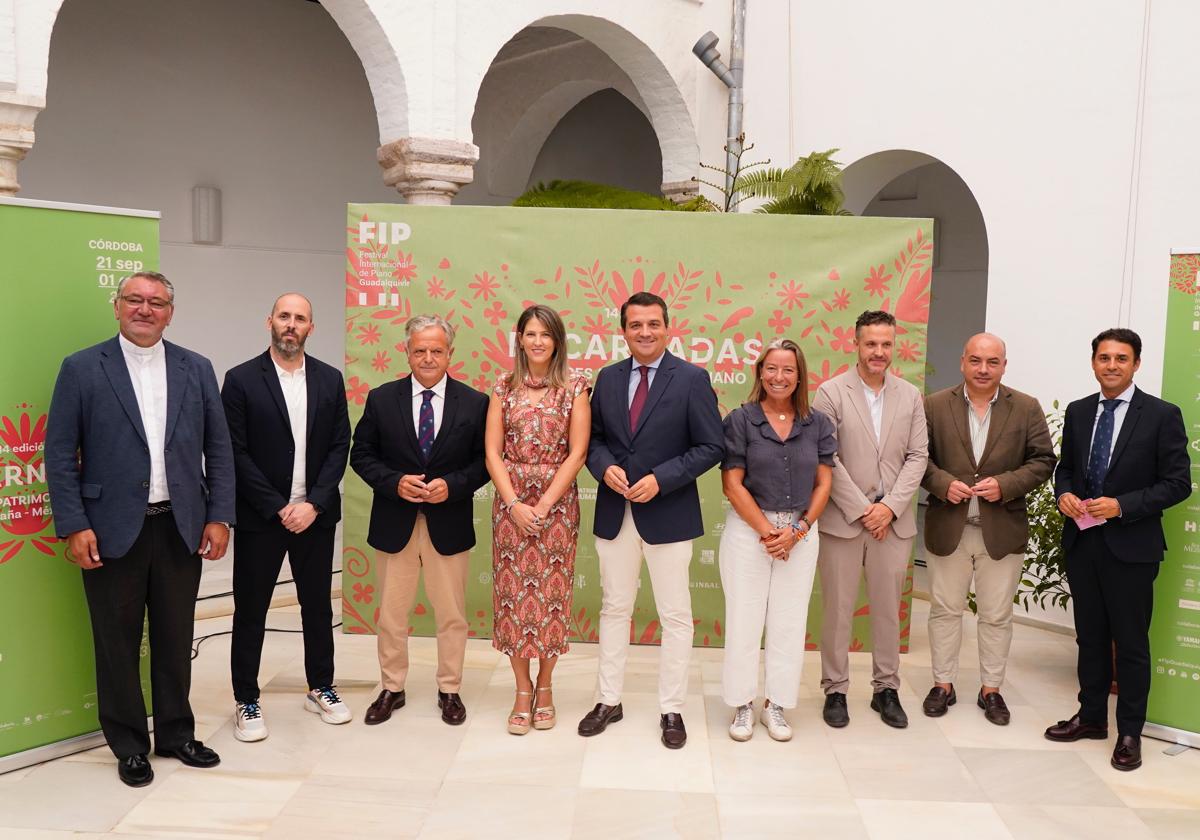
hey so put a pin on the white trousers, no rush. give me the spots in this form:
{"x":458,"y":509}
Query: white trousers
{"x":995,"y":584}
{"x":620,"y":570}
{"x":760,"y":591}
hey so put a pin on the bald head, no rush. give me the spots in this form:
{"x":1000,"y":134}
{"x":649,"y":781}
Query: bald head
{"x":293,"y":301}
{"x":984,"y":359}
{"x":290,"y":323}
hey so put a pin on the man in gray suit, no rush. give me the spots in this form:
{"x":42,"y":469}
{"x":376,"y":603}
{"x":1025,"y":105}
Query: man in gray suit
{"x":869,"y":526}
{"x":141,"y":480}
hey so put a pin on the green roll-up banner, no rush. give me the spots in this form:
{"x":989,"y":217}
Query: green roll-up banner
{"x":59,"y":267}
{"x":732,"y":283}
{"x":1174,"y":710}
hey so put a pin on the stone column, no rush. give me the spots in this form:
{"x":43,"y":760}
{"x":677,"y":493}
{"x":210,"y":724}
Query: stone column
{"x":17,"y":114}
{"x":680,"y":191}
{"x":426,"y":170}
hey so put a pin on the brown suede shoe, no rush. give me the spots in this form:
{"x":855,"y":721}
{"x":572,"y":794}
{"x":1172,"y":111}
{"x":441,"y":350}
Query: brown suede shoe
{"x":938,"y":701}
{"x":1075,"y":729}
{"x":1128,"y":753}
{"x":386,"y":703}
{"x":994,"y":708}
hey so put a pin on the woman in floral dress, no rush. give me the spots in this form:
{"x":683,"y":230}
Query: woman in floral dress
{"x":538,"y":426}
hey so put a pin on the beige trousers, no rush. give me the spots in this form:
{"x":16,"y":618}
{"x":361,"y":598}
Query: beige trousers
{"x":995,"y":584}
{"x":620,"y":572}
{"x":445,"y":584}
{"x":842,"y":563}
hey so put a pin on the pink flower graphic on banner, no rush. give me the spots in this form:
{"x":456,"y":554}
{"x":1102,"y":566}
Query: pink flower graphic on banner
{"x":406,"y":269}
{"x":679,"y":329}
{"x":841,"y":300}
{"x":815,"y":378}
{"x":382,"y":361}
{"x":792,"y":294}
{"x":434,"y":288}
{"x":843,"y":339}
{"x":495,"y":313}
{"x":364,"y":593}
{"x":485,"y":286}
{"x":456,"y":371}
{"x":913,"y":304}
{"x":357,"y":390}
{"x":909,"y":351}
{"x":779,"y":322}
{"x":368,"y":334}
{"x":620,"y":292}
{"x":877,"y":282}
{"x":596,"y":326}
{"x":24,"y":440}
{"x":481,"y":383}
{"x":497,"y":350}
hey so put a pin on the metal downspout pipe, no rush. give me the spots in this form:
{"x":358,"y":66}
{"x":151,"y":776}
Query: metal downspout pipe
{"x":706,"y":50}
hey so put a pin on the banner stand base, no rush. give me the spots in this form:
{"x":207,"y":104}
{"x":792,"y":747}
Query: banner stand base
{"x":37,"y":755}
{"x":1181,"y":739}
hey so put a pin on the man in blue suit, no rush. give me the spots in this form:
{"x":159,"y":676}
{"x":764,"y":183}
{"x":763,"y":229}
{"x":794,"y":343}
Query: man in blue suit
{"x":655,"y":430}
{"x":141,"y":480}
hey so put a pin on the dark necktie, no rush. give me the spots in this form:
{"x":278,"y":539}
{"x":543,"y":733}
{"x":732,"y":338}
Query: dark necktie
{"x":639,"y":397}
{"x":425,"y":425}
{"x":1101,"y":446}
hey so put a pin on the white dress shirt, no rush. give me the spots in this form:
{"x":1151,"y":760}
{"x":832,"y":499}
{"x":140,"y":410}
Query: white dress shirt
{"x":148,"y":373}
{"x":1118,"y":417}
{"x":295,"y":396}
{"x":439,"y":404}
{"x":635,"y":376}
{"x":875,"y":405}
{"x":979,"y":431}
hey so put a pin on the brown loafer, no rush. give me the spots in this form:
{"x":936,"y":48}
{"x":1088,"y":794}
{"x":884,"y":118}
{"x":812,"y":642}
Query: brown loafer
{"x":674,"y":735}
{"x":938,"y":701}
{"x":1075,"y":729}
{"x":1128,"y":753}
{"x":994,"y":708}
{"x":598,"y":719}
{"x":453,"y":710}
{"x":386,"y":703}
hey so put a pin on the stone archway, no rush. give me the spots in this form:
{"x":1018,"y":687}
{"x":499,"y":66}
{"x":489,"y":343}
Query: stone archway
{"x":900,"y":182}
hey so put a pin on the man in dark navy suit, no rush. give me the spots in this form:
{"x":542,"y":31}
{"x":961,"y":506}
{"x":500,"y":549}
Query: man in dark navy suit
{"x":655,"y":430}
{"x":291,"y":435}
{"x":1124,"y":461}
{"x":142,"y":484}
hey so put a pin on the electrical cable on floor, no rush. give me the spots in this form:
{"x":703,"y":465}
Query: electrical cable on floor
{"x":199,"y":640}
{"x":230,"y":592}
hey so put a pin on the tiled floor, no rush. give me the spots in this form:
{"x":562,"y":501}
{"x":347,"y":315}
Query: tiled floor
{"x":954,"y":777}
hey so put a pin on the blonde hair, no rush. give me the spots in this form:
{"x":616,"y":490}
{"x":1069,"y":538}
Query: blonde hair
{"x":559,"y":373}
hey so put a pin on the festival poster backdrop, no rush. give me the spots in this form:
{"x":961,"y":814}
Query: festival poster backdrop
{"x":59,"y":267}
{"x":1175,"y":628}
{"x":732,"y":283}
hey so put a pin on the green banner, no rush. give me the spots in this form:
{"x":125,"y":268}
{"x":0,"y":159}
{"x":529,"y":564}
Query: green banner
{"x":59,"y":267}
{"x":1175,"y":629}
{"x":732,"y":283}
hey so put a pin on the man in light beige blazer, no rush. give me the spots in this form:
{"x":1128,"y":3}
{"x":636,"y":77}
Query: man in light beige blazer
{"x":869,"y":525}
{"x":988,"y":446}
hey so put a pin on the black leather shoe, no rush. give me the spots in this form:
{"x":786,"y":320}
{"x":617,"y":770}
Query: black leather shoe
{"x":938,"y":701}
{"x":598,"y":719}
{"x":191,"y":753}
{"x":453,"y":710}
{"x":835,"y":713}
{"x":994,"y":708}
{"x":1075,"y":729}
{"x":1128,"y":753}
{"x":887,"y":703}
{"x":674,"y":735}
{"x":135,"y":771}
{"x":386,"y":703}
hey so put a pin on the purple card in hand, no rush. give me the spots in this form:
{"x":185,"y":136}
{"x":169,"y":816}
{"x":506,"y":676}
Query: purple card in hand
{"x":1087,"y":520}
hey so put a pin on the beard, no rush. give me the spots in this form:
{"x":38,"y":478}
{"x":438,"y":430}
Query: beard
{"x":288,"y":351}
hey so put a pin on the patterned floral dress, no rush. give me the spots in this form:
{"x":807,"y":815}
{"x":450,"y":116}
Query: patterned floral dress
{"x":532,"y":577}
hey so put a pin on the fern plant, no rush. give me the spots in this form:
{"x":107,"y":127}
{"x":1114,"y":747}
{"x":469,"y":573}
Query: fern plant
{"x":812,"y":186}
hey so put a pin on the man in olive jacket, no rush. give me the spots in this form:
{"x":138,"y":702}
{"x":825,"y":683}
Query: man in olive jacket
{"x":988,"y":447}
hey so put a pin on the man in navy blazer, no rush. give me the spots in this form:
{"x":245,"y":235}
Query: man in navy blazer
{"x":291,"y":435}
{"x":141,"y":480}
{"x":655,"y":430}
{"x":1124,"y":461}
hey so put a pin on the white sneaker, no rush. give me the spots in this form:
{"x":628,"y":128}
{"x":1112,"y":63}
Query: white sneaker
{"x":326,"y":703}
{"x":248,"y":723}
{"x":777,"y":725}
{"x":742,"y":728}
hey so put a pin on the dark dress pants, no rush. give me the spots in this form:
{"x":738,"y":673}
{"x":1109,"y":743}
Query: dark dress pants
{"x":257,"y":559}
{"x":158,"y":574}
{"x":1113,"y":601}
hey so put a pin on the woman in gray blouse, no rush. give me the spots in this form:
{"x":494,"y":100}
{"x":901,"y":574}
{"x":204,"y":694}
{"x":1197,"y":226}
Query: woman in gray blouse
{"x":777,"y":473}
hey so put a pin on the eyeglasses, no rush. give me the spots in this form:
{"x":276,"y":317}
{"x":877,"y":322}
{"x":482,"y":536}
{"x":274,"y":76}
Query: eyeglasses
{"x":136,"y":301}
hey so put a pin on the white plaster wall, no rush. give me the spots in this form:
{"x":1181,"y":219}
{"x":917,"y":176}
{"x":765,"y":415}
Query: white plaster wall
{"x":266,"y":101}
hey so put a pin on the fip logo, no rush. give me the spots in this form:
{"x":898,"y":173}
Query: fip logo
{"x":383,"y":233}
